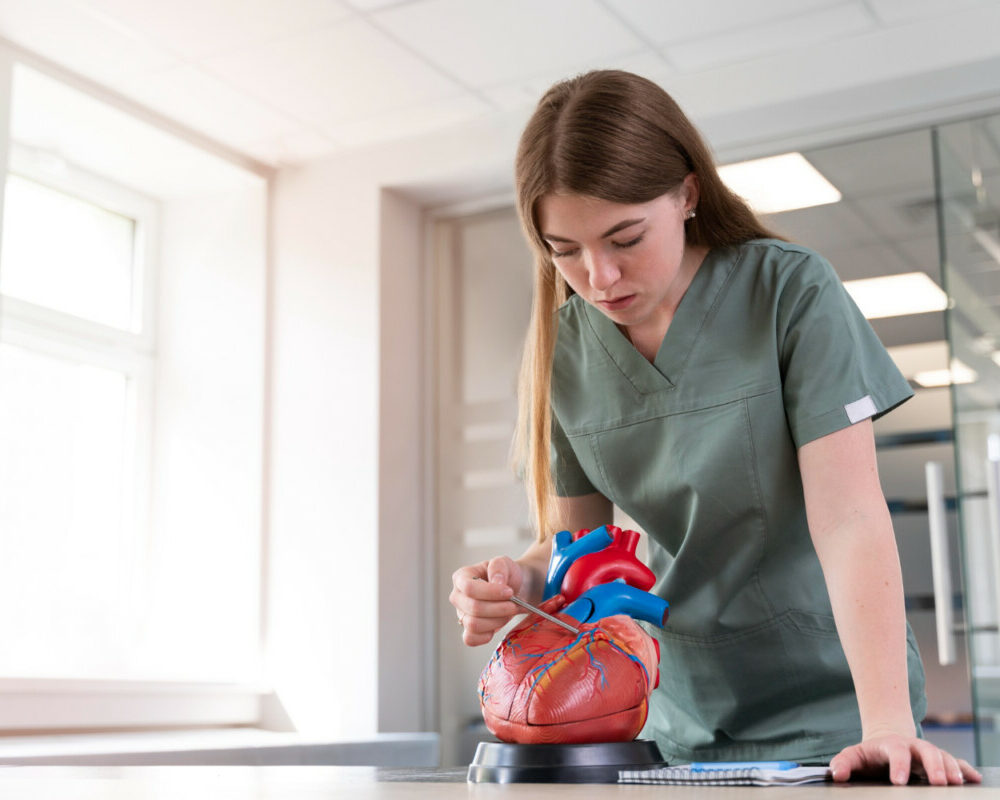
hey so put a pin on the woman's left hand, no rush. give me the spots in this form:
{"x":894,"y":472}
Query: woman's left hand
{"x":899,"y":755}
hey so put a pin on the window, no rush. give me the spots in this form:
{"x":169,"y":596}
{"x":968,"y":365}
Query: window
{"x":68,"y":254}
{"x":132,"y":319}
{"x":75,"y":366}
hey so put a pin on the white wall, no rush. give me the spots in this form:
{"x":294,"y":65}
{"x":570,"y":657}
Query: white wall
{"x":207,"y":436}
{"x":323,"y":516}
{"x":331,"y":515}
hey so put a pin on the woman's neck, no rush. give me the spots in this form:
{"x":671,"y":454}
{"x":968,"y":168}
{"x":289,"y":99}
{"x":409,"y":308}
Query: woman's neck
{"x":648,"y":337}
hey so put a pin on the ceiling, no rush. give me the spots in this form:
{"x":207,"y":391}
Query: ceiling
{"x":286,"y":81}
{"x":283,"y":82}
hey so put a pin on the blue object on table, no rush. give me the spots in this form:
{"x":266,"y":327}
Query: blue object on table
{"x":617,"y":597}
{"x":710,"y":766}
{"x":565,"y":551}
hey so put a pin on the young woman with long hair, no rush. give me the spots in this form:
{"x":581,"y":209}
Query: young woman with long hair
{"x":717,"y":384}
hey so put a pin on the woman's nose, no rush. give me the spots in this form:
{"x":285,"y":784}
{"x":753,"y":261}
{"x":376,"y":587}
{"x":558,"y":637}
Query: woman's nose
{"x":602,"y":270}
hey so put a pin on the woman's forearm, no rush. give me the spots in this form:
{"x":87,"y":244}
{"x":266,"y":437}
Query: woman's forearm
{"x":851,"y":530}
{"x":861,"y":566}
{"x":534,"y":565}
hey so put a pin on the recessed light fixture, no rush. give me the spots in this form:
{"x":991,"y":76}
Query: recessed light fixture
{"x":897,"y":295}
{"x":960,"y":372}
{"x":914,"y":358}
{"x":779,"y":183}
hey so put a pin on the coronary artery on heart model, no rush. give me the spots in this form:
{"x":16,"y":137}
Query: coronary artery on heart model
{"x":545,"y":684}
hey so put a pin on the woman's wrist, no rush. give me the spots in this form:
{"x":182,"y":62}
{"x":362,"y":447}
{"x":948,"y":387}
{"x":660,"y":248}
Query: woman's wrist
{"x":532,"y":582}
{"x":887,"y":727}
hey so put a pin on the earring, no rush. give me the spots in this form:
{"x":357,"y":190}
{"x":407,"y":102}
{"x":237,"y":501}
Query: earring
{"x":691,"y":214}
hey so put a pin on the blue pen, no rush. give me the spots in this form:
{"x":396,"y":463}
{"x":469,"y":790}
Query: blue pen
{"x":711,"y":766}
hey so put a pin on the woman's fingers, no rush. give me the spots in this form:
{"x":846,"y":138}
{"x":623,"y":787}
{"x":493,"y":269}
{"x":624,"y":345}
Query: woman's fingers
{"x":969,"y":772}
{"x":901,"y":755}
{"x":931,"y":759}
{"x":481,"y":596}
{"x":505,"y":572}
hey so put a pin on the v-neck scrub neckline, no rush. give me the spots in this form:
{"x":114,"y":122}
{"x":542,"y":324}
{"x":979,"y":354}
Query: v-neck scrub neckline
{"x":765,"y":352}
{"x":665,"y":370}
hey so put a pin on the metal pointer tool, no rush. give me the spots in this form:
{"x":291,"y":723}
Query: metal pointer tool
{"x":517,"y":601}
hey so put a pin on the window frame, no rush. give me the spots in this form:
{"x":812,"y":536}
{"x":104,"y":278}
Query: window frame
{"x":31,"y":164}
{"x":45,"y":704}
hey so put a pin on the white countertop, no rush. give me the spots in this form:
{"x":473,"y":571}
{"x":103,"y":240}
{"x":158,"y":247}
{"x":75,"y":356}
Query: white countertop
{"x":371,"y":783}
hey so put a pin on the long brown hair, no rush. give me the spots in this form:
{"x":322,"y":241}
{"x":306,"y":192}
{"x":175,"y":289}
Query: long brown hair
{"x":621,"y":138}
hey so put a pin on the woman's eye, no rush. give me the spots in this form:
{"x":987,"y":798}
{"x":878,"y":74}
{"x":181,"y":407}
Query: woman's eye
{"x":563,"y":253}
{"x":630,"y":243}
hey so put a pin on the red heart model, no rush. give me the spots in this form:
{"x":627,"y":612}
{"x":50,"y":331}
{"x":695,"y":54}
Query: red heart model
{"x":547,"y":685}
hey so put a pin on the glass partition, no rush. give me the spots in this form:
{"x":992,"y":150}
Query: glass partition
{"x":967,"y":162}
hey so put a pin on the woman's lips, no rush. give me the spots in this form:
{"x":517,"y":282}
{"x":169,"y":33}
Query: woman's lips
{"x":617,"y":304}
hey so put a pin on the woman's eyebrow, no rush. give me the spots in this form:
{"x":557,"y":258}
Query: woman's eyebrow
{"x":627,"y":223}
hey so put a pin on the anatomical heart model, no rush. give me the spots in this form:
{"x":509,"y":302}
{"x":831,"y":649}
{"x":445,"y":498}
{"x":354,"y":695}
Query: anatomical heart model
{"x":545,"y":684}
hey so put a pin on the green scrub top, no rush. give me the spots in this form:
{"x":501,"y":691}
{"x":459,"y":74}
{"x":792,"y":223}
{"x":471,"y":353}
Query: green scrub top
{"x":765,"y":353}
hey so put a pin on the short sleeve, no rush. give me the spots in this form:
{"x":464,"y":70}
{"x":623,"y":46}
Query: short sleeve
{"x":567,"y":474}
{"x":835,"y":371}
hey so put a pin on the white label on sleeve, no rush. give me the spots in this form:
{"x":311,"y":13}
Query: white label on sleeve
{"x":860,"y":409}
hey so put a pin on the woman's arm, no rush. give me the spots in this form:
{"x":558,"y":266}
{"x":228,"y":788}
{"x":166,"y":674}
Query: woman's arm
{"x":481,"y":592}
{"x":852,"y":532}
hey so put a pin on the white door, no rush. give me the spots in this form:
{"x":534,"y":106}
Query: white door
{"x":483,"y":298}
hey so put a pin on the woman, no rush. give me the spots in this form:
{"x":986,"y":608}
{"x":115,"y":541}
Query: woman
{"x":718,"y":385}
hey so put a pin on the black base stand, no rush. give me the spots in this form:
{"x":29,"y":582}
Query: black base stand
{"x":496,"y":762}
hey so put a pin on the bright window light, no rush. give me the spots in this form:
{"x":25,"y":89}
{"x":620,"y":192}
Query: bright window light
{"x":897,"y":295}
{"x":66,"y":599}
{"x":960,"y":372}
{"x":779,"y":183}
{"x":68,"y":254}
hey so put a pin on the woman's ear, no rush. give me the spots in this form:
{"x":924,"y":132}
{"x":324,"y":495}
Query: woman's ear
{"x":691,"y":190}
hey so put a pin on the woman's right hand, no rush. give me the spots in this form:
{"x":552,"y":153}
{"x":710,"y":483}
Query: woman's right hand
{"x":481,"y":596}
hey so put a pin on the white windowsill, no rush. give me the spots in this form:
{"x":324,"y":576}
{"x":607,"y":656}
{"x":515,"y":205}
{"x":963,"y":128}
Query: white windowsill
{"x":232,"y":746}
{"x":86,"y":704}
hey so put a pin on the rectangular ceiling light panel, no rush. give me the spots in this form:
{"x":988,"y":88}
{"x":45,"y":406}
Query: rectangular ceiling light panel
{"x":897,"y":295}
{"x":779,"y":183}
{"x":960,"y":372}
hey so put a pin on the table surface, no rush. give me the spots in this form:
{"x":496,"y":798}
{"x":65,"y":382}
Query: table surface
{"x":365,"y":783}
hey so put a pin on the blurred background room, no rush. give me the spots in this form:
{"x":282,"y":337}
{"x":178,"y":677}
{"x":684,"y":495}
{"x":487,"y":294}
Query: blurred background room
{"x":262,"y":299}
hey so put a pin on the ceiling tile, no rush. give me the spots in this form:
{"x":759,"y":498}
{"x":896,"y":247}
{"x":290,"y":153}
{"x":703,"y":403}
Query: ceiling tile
{"x":79,"y":41}
{"x":902,"y":214}
{"x":72,"y":125}
{"x":848,"y":65}
{"x":910,"y":328}
{"x":512,"y":96}
{"x":488,"y":44}
{"x":292,"y":148}
{"x":683,"y":20}
{"x":201,"y":28}
{"x":345,"y":72}
{"x":893,"y":11}
{"x":206,"y":104}
{"x":823,"y":227}
{"x":879,"y":165}
{"x":527,"y":92}
{"x":923,"y":253}
{"x":375,"y":5}
{"x":404,"y":122}
{"x":648,"y":63}
{"x":865,"y":261}
{"x":781,"y":35}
